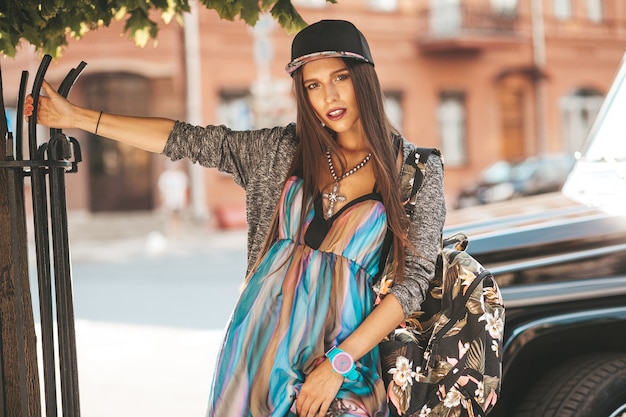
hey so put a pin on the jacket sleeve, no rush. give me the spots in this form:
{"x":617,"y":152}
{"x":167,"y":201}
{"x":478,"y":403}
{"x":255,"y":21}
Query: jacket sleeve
{"x":237,"y":153}
{"x":258,"y":160}
{"x":425,"y":234}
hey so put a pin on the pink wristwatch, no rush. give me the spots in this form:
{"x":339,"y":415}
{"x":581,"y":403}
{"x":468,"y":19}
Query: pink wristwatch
{"x":342,"y":363}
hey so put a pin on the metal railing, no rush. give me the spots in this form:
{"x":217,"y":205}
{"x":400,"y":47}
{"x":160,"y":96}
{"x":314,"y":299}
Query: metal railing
{"x":47,"y":165}
{"x":443,"y":21}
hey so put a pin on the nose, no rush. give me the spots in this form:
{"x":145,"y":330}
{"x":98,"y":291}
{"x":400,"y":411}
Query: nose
{"x":332,"y":94}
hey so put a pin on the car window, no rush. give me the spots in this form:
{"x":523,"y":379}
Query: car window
{"x":496,"y":173}
{"x":599,"y":175}
{"x":525,"y":169}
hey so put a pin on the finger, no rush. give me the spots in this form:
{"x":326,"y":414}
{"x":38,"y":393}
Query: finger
{"x":314,"y":408}
{"x":47,"y":88}
{"x":299,"y":403}
{"x":28,"y":105}
{"x":305,"y":408}
{"x":49,"y":91}
{"x":324,"y":408}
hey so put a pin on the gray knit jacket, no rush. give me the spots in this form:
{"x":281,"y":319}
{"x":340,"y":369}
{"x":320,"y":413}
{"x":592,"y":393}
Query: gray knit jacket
{"x":258,"y":161}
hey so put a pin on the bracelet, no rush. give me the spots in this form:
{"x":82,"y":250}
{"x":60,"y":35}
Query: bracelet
{"x":98,"y":123}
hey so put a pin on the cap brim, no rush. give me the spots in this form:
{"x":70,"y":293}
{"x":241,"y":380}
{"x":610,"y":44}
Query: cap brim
{"x":300,"y":61}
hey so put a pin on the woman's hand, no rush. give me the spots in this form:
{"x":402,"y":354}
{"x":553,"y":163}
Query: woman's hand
{"x":53,"y":109}
{"x":318,"y":391}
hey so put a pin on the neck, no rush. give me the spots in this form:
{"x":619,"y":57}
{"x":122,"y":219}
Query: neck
{"x":352,"y":142}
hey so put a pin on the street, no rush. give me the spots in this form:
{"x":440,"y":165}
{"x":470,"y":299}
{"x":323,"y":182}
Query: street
{"x":149,"y":320}
{"x":192,"y":291}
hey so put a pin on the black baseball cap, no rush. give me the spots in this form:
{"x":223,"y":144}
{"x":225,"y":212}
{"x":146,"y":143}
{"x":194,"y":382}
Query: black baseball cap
{"x":328,"y":39}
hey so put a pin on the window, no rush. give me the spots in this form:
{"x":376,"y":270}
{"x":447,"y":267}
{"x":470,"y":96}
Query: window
{"x":578,"y":111}
{"x":504,"y":7}
{"x":235,"y":111}
{"x":595,"y":10}
{"x":451,"y":119}
{"x":446,"y":17}
{"x":384,"y":5}
{"x":562,"y":9}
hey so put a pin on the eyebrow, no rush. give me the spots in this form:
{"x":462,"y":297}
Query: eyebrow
{"x":342,"y":69}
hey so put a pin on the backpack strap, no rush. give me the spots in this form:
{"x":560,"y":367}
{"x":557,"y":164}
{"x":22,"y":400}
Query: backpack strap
{"x":411,"y":177}
{"x":416,"y":164}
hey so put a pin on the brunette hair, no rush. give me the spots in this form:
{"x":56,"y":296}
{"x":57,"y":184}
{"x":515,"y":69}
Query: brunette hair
{"x":314,"y":139}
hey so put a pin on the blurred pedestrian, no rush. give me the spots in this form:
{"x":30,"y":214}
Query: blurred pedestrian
{"x":173,"y":192}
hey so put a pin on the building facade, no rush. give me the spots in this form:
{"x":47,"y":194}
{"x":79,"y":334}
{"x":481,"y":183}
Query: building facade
{"x":483,"y":80}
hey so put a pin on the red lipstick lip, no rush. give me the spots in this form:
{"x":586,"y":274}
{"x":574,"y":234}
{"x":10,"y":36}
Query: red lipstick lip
{"x":339,"y":113}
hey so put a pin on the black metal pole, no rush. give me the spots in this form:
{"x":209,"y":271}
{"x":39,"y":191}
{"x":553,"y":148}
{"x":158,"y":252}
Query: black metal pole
{"x":44,"y":286}
{"x":42,"y":247}
{"x":60,"y":148}
{"x":19,"y":121}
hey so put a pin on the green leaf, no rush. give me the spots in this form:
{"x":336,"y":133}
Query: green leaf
{"x":250,"y":11}
{"x":287,"y":16}
{"x":140,"y":28}
{"x":226,"y":9}
{"x":7,"y":46}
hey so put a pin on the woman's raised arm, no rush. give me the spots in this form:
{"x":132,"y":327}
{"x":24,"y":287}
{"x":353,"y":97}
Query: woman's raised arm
{"x":149,"y":133}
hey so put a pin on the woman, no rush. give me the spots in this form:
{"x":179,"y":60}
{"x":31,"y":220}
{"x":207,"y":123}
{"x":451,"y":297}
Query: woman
{"x":321,"y":196}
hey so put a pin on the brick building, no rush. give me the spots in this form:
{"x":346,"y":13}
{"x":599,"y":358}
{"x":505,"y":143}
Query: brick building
{"x":483,"y":80}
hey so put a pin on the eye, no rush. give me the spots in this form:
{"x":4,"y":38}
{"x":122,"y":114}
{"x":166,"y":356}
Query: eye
{"x":343,"y":76}
{"x":311,"y":86}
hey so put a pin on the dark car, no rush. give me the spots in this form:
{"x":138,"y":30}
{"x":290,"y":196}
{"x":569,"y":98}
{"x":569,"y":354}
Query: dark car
{"x":540,"y":174}
{"x":492,"y":185}
{"x":560,"y":260}
{"x":507,"y":180}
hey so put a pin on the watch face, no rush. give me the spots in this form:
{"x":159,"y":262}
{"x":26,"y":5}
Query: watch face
{"x":342,"y":362}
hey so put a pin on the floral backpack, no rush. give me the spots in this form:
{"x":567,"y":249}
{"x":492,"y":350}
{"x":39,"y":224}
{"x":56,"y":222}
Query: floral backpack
{"x":446,"y":358}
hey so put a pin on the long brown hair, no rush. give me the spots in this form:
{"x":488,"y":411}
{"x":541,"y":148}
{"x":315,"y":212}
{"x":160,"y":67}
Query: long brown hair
{"x":314,"y":139}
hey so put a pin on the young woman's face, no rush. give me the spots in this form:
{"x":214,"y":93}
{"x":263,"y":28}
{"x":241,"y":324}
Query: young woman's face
{"x":331,"y":94}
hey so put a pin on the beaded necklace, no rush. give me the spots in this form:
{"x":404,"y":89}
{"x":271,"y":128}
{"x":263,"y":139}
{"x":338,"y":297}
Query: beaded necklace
{"x":334,"y":197}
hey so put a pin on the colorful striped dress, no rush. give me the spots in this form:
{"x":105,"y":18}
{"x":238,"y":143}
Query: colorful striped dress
{"x":309,"y":293}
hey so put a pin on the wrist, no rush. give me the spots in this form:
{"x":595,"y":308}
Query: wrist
{"x":84,"y":119}
{"x":342,"y":363}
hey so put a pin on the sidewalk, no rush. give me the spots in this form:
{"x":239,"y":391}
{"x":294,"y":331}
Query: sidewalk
{"x":120,"y":235}
{"x":127,"y":370}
